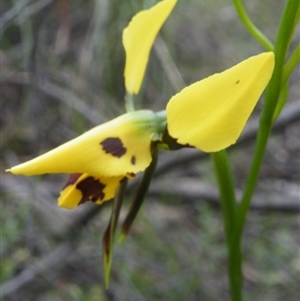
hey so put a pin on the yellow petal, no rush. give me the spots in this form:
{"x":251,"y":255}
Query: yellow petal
{"x":115,"y":148}
{"x":211,"y":114}
{"x":138,"y":39}
{"x":82,"y":188}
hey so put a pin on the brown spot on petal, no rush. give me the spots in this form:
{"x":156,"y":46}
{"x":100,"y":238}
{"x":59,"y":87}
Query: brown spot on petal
{"x":91,"y":189}
{"x":72,"y":179}
{"x":237,"y":82}
{"x":133,"y":160}
{"x":113,"y":146}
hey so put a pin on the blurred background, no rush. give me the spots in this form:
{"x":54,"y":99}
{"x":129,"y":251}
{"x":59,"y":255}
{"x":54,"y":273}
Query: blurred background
{"x":61,"y":74}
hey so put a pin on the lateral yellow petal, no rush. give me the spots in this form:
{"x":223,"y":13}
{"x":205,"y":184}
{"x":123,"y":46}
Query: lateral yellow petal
{"x":211,"y":114}
{"x":115,"y":148}
{"x":82,"y":188}
{"x":138,"y":38}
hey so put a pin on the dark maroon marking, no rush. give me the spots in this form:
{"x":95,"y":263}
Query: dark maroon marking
{"x":237,"y":82}
{"x":131,"y":175}
{"x":91,"y":189}
{"x":133,"y":160}
{"x":113,"y":146}
{"x":122,"y":180}
{"x":72,"y":179}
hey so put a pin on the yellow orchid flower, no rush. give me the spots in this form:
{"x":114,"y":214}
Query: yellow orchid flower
{"x":138,"y":39}
{"x":211,"y":114}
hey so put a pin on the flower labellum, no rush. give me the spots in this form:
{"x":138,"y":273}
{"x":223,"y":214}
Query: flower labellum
{"x":82,"y":188}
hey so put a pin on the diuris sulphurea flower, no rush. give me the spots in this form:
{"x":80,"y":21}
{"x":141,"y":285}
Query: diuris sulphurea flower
{"x":209,"y":115}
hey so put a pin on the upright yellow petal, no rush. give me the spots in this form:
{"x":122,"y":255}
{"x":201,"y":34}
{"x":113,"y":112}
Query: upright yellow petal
{"x":115,"y":148}
{"x":82,"y":188}
{"x":138,"y":39}
{"x":211,"y":114}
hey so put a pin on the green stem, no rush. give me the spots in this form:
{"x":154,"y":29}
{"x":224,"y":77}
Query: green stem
{"x":287,"y":71}
{"x":235,"y":273}
{"x":139,"y":196}
{"x":224,"y":177}
{"x":109,"y":234}
{"x":272,"y":94}
{"x":291,"y":64}
{"x":281,"y":101}
{"x":129,"y":103}
{"x":253,"y":30}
